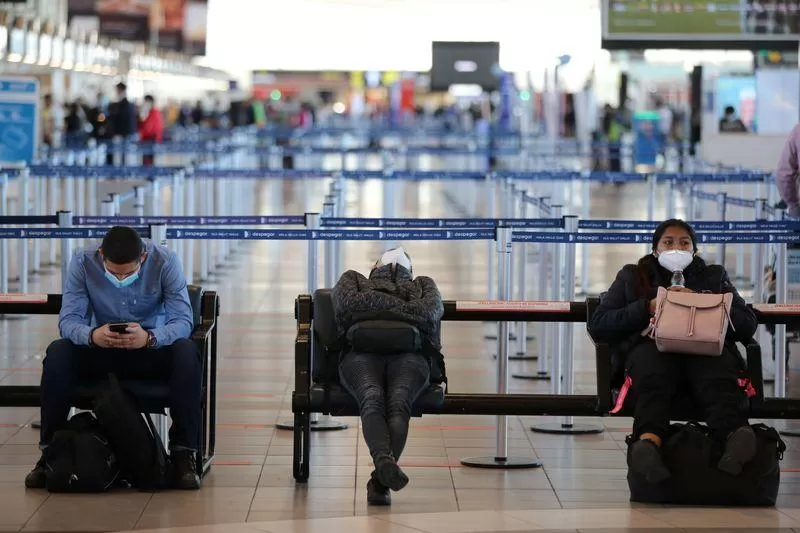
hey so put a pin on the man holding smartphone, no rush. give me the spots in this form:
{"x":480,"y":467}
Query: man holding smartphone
{"x":126,"y":310}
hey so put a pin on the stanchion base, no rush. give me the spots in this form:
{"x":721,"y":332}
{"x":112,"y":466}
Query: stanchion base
{"x":509,"y":463}
{"x":36,"y":424}
{"x":13,"y":318}
{"x":316,"y":425}
{"x":522,"y":357}
{"x":533,"y":377}
{"x":790,"y":432}
{"x":510,"y":337}
{"x":558,"y":428}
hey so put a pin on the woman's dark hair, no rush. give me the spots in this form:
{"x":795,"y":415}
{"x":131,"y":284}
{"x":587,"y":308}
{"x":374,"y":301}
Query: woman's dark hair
{"x":122,"y":245}
{"x":648,"y":262}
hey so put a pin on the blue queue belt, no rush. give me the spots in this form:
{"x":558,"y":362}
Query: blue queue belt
{"x":406,"y":223}
{"x":74,"y":171}
{"x":474,"y":234}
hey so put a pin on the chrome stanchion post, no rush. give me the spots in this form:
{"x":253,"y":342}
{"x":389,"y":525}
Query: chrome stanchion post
{"x":158,"y":234}
{"x":107,"y":208}
{"x":691,"y":192}
{"x":318,"y":423}
{"x":36,"y":261}
{"x":545,"y":330}
{"x":189,"y":210}
{"x":722,"y":204}
{"x":781,"y":290}
{"x":585,"y":214}
{"x":328,"y":261}
{"x":522,"y":266}
{"x":490,"y":328}
{"x":4,"y":274}
{"x":138,"y":207}
{"x":652,"y":187}
{"x":501,"y":459}
{"x":24,"y":210}
{"x":65,"y":221}
{"x":565,"y":352}
{"x":758,"y":253}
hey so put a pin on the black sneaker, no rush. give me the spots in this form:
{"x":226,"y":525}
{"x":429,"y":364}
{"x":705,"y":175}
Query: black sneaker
{"x":184,"y":470}
{"x":646,"y":460}
{"x":740,"y":448}
{"x":390,"y":475}
{"x":377,"y":494}
{"x":37,"y":478}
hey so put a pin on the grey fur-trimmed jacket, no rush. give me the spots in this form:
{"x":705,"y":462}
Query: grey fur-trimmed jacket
{"x":389,"y":295}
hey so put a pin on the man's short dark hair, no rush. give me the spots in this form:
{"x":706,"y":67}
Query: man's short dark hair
{"x":149,"y":98}
{"x":122,"y":245}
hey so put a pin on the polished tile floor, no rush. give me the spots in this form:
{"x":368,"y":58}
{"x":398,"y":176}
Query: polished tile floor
{"x":581,"y":485}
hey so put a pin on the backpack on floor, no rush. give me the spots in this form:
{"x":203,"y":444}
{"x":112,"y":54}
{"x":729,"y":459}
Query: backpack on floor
{"x":140,"y":452}
{"x":80,"y":457}
{"x":691,"y":456}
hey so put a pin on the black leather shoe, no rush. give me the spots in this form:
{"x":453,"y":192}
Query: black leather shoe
{"x":646,"y":460}
{"x":184,"y":470}
{"x":377,"y":494}
{"x":740,"y":448}
{"x":37,"y":478}
{"x":390,"y":475}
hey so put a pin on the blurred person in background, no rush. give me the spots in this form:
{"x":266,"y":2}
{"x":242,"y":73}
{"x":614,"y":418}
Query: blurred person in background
{"x":151,"y":126}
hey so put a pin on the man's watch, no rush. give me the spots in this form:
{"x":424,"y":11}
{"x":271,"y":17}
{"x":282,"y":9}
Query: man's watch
{"x":151,"y":340}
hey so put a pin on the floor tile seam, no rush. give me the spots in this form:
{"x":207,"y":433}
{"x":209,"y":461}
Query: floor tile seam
{"x":144,"y":508}
{"x":27,"y":520}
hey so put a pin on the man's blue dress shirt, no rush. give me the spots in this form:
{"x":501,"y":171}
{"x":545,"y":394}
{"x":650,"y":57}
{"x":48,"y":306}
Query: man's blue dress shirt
{"x":158,"y":300}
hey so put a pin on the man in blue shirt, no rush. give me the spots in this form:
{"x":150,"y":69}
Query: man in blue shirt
{"x":142,"y":285}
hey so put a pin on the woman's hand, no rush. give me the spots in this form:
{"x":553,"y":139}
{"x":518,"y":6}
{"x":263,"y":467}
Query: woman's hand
{"x":680,"y":289}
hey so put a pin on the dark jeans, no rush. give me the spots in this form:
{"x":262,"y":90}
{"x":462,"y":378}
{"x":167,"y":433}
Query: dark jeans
{"x":386,"y":387}
{"x":67,"y":365}
{"x":657,"y":379}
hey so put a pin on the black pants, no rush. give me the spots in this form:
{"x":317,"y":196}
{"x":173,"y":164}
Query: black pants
{"x":712,"y":381}
{"x":67,"y":365}
{"x":386,"y":387}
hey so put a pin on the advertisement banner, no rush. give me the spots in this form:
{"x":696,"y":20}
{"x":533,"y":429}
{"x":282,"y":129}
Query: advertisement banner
{"x":19,"y":119}
{"x":195,"y":27}
{"x":178,"y":25}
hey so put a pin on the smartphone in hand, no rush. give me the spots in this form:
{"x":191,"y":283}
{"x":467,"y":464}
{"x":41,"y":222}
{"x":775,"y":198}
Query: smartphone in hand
{"x":119,"y":327}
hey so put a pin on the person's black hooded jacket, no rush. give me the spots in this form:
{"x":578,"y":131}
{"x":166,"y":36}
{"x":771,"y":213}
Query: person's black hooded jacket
{"x":389,"y":295}
{"x":624,"y":311}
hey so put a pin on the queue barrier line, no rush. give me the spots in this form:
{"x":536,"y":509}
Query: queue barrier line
{"x":407,"y":223}
{"x":474,"y":234}
{"x":75,"y":171}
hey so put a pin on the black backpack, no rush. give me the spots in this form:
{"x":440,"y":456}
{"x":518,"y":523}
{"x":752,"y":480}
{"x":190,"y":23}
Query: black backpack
{"x":142,"y":458}
{"x":80,"y":457}
{"x":691,"y":456}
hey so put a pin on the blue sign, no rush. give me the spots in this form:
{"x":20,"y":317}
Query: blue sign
{"x":647,"y":141}
{"x":19,"y":119}
{"x":506,"y":88}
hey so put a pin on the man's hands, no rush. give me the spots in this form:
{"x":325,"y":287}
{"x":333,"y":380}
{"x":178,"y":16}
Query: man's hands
{"x":134,"y":339}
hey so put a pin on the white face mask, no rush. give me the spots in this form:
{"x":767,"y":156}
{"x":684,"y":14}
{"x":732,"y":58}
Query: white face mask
{"x":675,"y":260}
{"x":396,"y":257}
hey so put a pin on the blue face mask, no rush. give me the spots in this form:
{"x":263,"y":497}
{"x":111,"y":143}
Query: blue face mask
{"x":122,"y":283}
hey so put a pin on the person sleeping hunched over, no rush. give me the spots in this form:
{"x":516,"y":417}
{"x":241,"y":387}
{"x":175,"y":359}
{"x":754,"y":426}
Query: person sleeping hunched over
{"x":384,"y":367}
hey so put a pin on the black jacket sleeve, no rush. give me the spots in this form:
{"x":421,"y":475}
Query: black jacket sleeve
{"x":742,"y":317}
{"x":620,"y":312}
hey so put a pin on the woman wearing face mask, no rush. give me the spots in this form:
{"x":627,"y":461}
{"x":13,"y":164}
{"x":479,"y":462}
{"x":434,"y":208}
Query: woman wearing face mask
{"x":625,"y":311}
{"x":386,"y":380}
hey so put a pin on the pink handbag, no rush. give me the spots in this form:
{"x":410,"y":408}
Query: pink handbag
{"x":690,"y":323}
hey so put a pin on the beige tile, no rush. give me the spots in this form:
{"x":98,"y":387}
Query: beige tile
{"x":190,"y":516}
{"x":334,"y":525}
{"x":232,"y":476}
{"x":17,"y":505}
{"x":463,"y":522}
{"x":213,"y":498}
{"x":89,"y":512}
{"x":687,"y":517}
{"x":591,"y":518}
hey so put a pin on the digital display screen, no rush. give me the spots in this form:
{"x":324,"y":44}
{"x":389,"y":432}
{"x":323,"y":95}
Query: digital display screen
{"x":465,"y":63}
{"x":701,"y":23}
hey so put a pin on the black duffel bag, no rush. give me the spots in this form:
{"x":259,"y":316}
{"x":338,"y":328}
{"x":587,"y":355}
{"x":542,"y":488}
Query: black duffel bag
{"x":80,"y":457}
{"x":691,"y":455}
{"x":386,"y":337}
